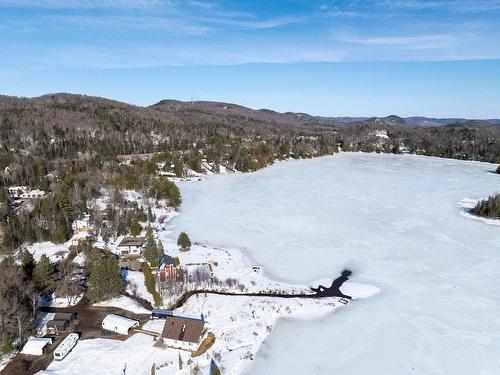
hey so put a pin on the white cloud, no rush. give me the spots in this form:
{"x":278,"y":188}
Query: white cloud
{"x":257,"y":23}
{"x":430,"y":41}
{"x":467,"y":6}
{"x":85,"y":4}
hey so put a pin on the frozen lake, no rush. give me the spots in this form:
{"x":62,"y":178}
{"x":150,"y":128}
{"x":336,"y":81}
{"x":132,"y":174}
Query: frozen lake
{"x":396,"y":222}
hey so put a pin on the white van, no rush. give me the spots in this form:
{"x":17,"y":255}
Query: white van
{"x":65,"y":346}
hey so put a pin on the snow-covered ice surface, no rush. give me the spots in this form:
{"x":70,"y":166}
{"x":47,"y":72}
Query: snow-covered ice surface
{"x":396,"y":221}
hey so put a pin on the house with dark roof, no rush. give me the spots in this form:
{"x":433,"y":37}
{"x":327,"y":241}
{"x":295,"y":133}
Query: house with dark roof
{"x":165,"y":261}
{"x":131,"y":245}
{"x":184,"y":333}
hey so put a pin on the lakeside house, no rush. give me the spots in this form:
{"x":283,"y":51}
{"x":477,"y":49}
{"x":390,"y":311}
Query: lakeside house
{"x":184,"y":333}
{"x":404,"y":149}
{"x":131,"y":245}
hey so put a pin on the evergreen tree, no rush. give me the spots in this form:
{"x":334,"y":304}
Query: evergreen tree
{"x":149,"y":282}
{"x":43,"y":275}
{"x":160,"y":251}
{"x":151,"y":216}
{"x":135,"y":227}
{"x":27,"y":264}
{"x":183,"y":241}
{"x":151,"y":251}
{"x":162,"y":188}
{"x":178,"y":168}
{"x":104,"y":281}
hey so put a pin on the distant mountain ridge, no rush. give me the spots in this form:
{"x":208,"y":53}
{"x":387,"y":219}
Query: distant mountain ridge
{"x":246,"y":138}
{"x":297,"y":118}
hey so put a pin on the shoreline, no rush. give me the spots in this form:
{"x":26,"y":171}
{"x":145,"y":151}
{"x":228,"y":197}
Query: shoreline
{"x":468,"y":204}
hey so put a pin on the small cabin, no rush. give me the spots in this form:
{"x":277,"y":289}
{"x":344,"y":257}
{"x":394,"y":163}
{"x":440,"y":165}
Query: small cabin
{"x":60,"y":323}
{"x":36,"y":345}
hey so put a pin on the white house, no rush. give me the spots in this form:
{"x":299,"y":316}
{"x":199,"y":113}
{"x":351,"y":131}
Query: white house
{"x":16,"y":191}
{"x":33,"y":194}
{"x":131,"y":245}
{"x":65,"y":346}
{"x":184,"y":333}
{"x":81,"y":225}
{"x":36,"y":345}
{"x":119,"y":324}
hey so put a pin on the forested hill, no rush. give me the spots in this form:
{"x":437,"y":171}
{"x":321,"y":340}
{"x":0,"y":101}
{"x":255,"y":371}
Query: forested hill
{"x":72,"y":147}
{"x":70,"y":126}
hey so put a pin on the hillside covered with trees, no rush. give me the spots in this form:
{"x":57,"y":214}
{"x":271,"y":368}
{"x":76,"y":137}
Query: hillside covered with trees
{"x":73,"y":146}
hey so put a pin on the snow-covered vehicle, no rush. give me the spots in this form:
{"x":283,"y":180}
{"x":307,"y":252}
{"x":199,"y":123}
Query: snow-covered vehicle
{"x":65,"y":346}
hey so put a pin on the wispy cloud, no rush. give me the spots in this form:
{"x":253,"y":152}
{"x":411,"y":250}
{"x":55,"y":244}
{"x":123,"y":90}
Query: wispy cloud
{"x":140,"y":33}
{"x":190,"y":17}
{"x":84,"y":4}
{"x":124,"y":23}
{"x":430,"y":41}
{"x":136,"y":55}
{"x":469,"y":6}
{"x":269,"y":23}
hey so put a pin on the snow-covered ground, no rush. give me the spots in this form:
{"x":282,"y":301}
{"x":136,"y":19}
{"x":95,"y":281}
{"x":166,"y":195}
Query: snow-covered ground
{"x":60,"y":301}
{"x":55,"y":252}
{"x":135,"y":281}
{"x":125,"y":303}
{"x":394,"y":221}
{"x":239,"y":324}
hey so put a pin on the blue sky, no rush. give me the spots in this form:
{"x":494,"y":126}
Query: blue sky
{"x":338,"y":57}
